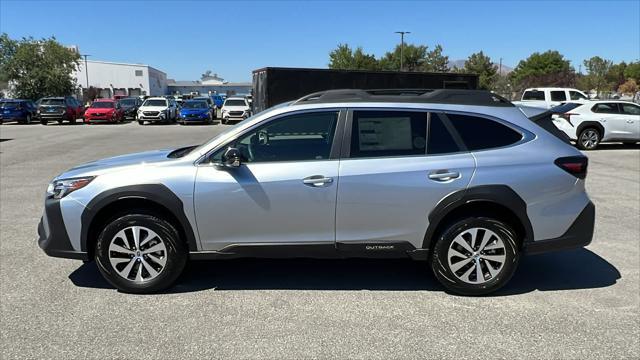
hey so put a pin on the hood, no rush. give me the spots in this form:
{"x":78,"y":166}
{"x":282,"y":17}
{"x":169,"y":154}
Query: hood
{"x":109,"y":164}
{"x":235,"y":108}
{"x":194,"y":111}
{"x":99,"y":110}
{"x":152,"y":108}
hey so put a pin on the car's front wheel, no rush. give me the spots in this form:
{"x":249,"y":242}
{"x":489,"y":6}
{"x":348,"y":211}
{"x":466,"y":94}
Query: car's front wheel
{"x":140,"y":253}
{"x":588,"y":139}
{"x":475,"y":256}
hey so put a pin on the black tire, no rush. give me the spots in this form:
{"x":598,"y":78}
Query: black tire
{"x":43,"y":122}
{"x":140,"y":122}
{"x":588,"y":139}
{"x":60,"y":122}
{"x":28,"y":119}
{"x":452,"y":282}
{"x":176,"y":254}
{"x":72,"y":121}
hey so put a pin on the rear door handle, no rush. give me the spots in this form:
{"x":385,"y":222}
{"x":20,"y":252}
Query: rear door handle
{"x":443,"y":175}
{"x":317,"y":181}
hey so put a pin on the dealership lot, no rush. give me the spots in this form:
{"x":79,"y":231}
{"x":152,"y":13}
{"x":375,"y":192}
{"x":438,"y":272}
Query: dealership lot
{"x":577,"y":304}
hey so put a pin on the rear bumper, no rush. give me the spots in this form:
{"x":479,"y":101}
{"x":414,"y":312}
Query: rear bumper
{"x":52,"y":234}
{"x":579,"y":234}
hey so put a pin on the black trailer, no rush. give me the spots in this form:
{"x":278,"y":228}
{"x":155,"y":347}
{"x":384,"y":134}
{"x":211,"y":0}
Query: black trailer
{"x":273,"y":85}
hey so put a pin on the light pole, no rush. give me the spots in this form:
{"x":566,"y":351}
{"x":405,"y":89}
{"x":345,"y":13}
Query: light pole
{"x":402,"y":45}
{"x":86,"y":70}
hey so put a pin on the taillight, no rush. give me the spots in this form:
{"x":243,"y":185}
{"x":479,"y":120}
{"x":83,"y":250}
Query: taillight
{"x":574,"y":165}
{"x":567,"y":116}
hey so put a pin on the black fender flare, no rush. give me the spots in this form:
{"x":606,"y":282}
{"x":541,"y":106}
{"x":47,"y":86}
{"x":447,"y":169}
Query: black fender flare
{"x":501,"y":195}
{"x":157,"y":193}
{"x":593,"y":124}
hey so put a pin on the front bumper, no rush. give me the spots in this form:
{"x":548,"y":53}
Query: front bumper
{"x":579,"y":234}
{"x":52,"y":234}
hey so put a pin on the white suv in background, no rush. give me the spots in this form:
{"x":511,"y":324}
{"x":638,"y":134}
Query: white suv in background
{"x":158,"y":109}
{"x":548,"y":97}
{"x":594,"y":122}
{"x":235,"y":108}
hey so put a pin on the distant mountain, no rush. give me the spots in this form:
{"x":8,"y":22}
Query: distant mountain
{"x":460,"y":64}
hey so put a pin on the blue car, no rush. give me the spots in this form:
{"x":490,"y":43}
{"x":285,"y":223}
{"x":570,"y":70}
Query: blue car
{"x":195,"y":111}
{"x":22,"y":111}
{"x":218,"y":100}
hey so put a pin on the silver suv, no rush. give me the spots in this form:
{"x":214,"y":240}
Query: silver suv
{"x":460,"y":179}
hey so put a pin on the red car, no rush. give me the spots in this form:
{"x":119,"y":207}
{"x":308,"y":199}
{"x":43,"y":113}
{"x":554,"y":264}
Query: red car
{"x":104,"y":110}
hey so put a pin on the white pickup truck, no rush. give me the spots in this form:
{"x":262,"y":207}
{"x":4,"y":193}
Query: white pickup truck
{"x":548,"y":97}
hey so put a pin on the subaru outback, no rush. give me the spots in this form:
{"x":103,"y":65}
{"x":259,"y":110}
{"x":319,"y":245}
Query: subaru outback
{"x":459,"y":179}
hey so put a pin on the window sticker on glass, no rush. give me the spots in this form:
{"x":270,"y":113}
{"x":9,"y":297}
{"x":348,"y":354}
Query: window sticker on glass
{"x":385,"y":134}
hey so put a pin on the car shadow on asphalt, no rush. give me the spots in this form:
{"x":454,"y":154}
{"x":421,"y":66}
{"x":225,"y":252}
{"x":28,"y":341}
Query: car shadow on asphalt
{"x":568,"y":270}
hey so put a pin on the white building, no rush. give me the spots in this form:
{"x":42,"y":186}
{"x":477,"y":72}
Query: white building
{"x":111,"y":78}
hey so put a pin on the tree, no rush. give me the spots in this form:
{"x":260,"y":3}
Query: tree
{"x":343,"y":57}
{"x":632,"y":71}
{"x":481,"y":65}
{"x":597,"y":70}
{"x":413,"y":57}
{"x":629,"y":87}
{"x":615,"y":75}
{"x":549,"y":68}
{"x":435,"y":62}
{"x":7,"y":50}
{"x":39,"y":68}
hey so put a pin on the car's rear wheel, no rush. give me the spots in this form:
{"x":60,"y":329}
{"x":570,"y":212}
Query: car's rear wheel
{"x":140,"y":253}
{"x":588,"y":139}
{"x":475,"y":256}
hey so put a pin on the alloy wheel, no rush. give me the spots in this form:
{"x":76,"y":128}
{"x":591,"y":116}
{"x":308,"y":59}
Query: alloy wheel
{"x":589,"y":139}
{"x":137,"y":254}
{"x":476,"y":255}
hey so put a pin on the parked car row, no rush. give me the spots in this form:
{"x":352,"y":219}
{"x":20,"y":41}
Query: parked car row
{"x":164,"y":109}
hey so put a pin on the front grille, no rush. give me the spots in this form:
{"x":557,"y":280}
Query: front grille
{"x":236,"y":113}
{"x":193,"y":115}
{"x":151,"y":113}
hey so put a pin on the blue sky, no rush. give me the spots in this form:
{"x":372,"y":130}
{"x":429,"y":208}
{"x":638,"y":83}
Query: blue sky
{"x":185,"y":38}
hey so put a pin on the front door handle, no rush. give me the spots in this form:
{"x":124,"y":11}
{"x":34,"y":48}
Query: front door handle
{"x":317,"y":181}
{"x":443,"y":175}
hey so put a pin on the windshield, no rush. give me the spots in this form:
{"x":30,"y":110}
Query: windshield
{"x":52,"y":102}
{"x":232,"y":128}
{"x":155,"y":102}
{"x":102,"y":105}
{"x":8,"y":105}
{"x":235,"y":102}
{"x":128,"y":102}
{"x":195,"y":105}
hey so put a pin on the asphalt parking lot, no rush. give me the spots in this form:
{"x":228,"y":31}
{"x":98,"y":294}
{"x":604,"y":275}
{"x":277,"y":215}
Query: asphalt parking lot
{"x":576,"y":304}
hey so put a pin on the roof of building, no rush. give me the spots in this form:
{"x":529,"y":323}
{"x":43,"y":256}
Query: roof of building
{"x":122,"y":64}
{"x":198,"y":83}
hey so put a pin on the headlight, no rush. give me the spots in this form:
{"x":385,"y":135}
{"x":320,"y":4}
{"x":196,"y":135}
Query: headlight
{"x":61,"y":188}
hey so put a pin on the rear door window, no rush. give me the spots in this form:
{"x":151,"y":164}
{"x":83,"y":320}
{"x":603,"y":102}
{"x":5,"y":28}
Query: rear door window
{"x":533,"y":95}
{"x":479,"y":133}
{"x":558,"y":95}
{"x":441,"y":140}
{"x":605,"y":108}
{"x":388,"y":133}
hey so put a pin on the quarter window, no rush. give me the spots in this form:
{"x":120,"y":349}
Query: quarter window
{"x":388,"y":133}
{"x":479,"y":133}
{"x":558,"y":96}
{"x":298,"y":137}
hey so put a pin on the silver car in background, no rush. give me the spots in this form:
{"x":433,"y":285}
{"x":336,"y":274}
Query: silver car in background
{"x":460,"y":179}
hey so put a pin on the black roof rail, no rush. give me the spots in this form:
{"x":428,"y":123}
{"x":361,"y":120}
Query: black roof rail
{"x":440,"y":96}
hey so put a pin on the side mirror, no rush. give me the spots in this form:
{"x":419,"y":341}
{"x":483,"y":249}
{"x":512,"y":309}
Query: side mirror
{"x":231,"y":158}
